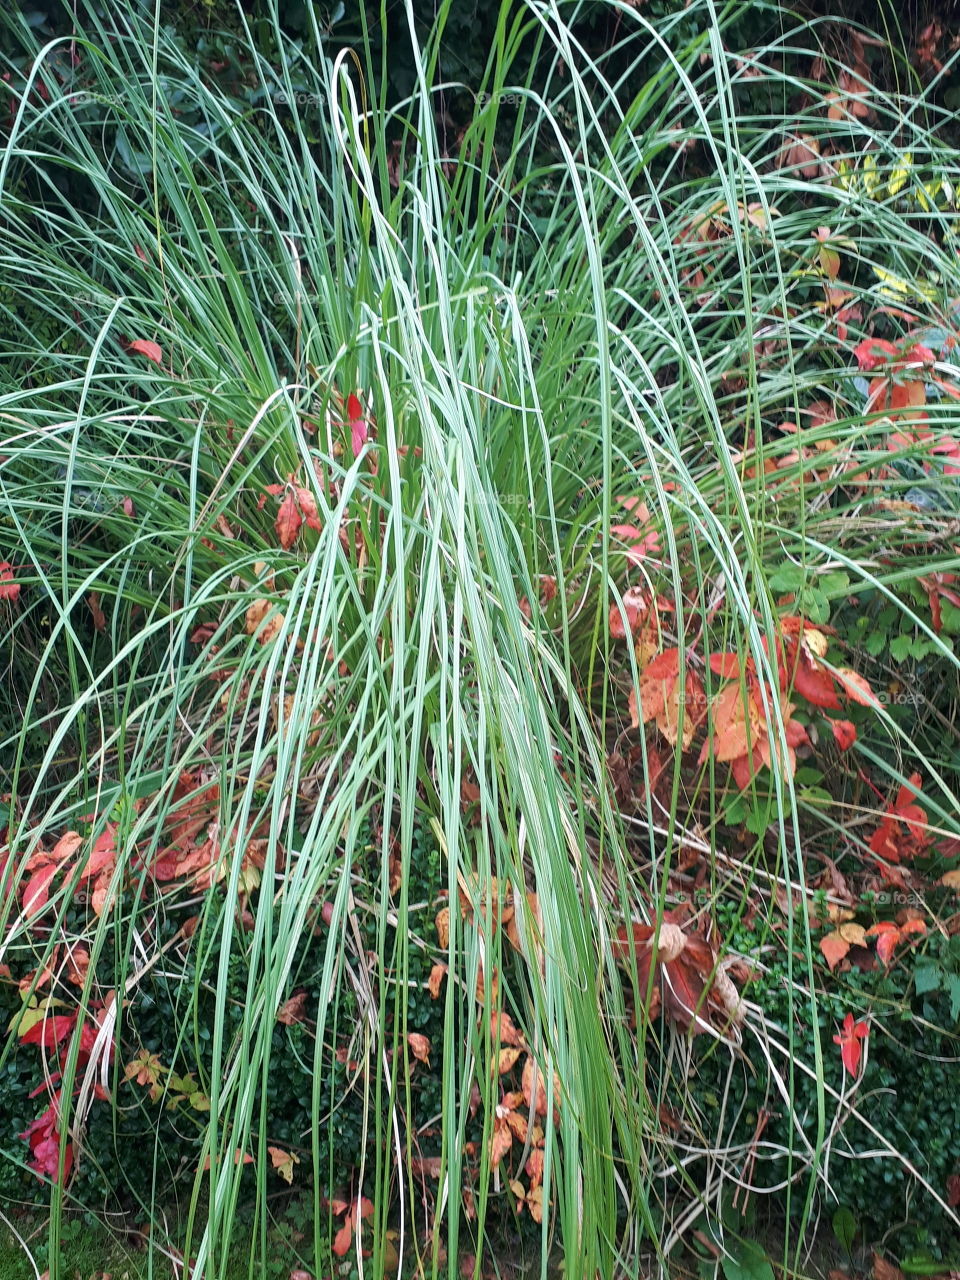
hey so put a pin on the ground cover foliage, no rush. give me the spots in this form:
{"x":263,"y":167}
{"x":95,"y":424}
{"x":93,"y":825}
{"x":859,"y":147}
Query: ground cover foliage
{"x":479,"y":597}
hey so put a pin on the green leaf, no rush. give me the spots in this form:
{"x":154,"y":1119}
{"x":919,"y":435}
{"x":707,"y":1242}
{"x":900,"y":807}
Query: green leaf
{"x":835,"y":583}
{"x":927,"y":977}
{"x":845,"y":1226}
{"x":746,"y":1260}
{"x":814,"y":605}
{"x":789,"y":577}
{"x":953,"y":989}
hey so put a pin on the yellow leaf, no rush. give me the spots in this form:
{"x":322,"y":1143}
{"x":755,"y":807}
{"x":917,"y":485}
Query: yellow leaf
{"x":871,"y":177}
{"x":855,"y":934}
{"x":283,"y":1162}
{"x":507,"y":1060}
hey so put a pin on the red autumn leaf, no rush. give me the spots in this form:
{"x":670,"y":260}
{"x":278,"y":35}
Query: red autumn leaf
{"x":727,"y":665}
{"x":288,"y":521}
{"x":144,"y":347}
{"x":37,"y":890}
{"x":663,"y":695}
{"x":890,"y":935}
{"x":684,"y":983}
{"x":43,"y":1135}
{"x":856,"y":687}
{"x":359,"y":427}
{"x":635,"y":605}
{"x":813,"y":682}
{"x":937,"y":585}
{"x":203,"y":634}
{"x":308,"y":507}
{"x":844,"y":732}
{"x":902,"y":833}
{"x":872,"y":352}
{"x":849,"y":1040}
{"x":9,"y":590}
{"x":642,"y":542}
{"x":50,"y":1030}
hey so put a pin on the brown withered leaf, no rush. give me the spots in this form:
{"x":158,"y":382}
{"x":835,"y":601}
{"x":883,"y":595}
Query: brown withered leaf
{"x":504,"y":1030}
{"x":426,"y":1166}
{"x":257,"y":614}
{"x":443,"y":927}
{"x":507,"y":1060}
{"x":434,"y":982}
{"x":884,"y":1270}
{"x":99,"y":617}
{"x":292,"y":1010}
{"x":534,"y":1089}
{"x":419,"y":1047}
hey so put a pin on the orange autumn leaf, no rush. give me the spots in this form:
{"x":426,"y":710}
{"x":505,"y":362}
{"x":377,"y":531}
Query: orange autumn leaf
{"x":890,"y":935}
{"x":534,"y":1089}
{"x":283,"y":1162}
{"x":663,"y":696}
{"x":856,"y":687}
{"x":741,"y":735}
{"x":443,"y":927}
{"x":239,"y":1157}
{"x":419,"y":1047}
{"x":504,"y":1031}
{"x":506,"y":1060}
{"x":435,"y":980}
{"x":836,"y":944}
{"x":263,"y":620}
{"x":508,"y":1123}
{"x":288,"y":520}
